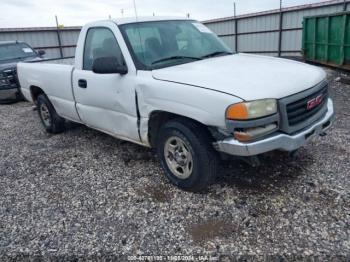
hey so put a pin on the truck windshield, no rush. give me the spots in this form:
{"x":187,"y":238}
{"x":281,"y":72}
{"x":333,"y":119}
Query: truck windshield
{"x":160,"y":44}
{"x":15,"y":51}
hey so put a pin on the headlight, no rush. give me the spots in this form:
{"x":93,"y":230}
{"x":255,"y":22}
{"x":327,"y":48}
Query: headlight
{"x":251,"y":110}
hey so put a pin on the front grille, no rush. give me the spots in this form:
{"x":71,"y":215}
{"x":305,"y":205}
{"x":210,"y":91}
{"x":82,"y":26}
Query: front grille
{"x":294,"y":112}
{"x":8,"y":78}
{"x":297,"y":111}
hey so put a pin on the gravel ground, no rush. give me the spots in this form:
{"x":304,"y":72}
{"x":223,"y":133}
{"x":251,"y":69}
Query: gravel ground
{"x":85,"y":194}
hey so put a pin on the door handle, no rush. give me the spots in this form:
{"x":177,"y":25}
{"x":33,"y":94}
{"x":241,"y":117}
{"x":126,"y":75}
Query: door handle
{"x":82,"y":83}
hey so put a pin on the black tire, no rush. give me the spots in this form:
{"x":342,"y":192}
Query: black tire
{"x":199,"y":143}
{"x":55,"y":124}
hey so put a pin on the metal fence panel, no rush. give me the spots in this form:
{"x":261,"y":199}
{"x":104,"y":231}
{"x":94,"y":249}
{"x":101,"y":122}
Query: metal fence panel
{"x":260,"y":23}
{"x":291,"y":40}
{"x":230,"y":41}
{"x":262,"y":42}
{"x":69,"y":51}
{"x":69,"y":37}
{"x":227,"y":27}
{"x":44,"y":39}
{"x":35,"y":39}
{"x":52,"y":52}
{"x":256,"y":33}
{"x":263,"y":33}
{"x":295,"y":19}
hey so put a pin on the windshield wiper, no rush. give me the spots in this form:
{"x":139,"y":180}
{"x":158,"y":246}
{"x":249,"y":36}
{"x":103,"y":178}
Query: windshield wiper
{"x":217,"y":54}
{"x":175,"y":58}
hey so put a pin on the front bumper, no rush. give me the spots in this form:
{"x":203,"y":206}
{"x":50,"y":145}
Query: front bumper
{"x":278,"y":141}
{"x":9,"y":88}
{"x":7,"y":95}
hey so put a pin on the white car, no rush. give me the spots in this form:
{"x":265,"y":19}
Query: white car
{"x":172,"y":84}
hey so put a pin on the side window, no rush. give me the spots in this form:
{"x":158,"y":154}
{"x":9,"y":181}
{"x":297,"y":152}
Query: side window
{"x":100,"y":42}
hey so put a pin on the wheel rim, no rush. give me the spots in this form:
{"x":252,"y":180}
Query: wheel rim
{"x":45,"y":115}
{"x":178,"y":157}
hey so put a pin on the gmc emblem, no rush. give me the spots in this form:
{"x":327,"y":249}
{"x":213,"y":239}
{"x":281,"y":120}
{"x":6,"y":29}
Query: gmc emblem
{"x":314,"y":102}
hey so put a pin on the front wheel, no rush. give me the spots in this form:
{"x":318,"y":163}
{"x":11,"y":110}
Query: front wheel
{"x":187,"y":156}
{"x":51,"y":121}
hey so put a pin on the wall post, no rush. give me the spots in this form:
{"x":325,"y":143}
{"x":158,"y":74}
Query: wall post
{"x":280,"y":32}
{"x":59,"y":37}
{"x":236,"y":28}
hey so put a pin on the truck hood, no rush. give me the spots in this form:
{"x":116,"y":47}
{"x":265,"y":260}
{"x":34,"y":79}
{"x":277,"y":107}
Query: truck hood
{"x":10,"y":65}
{"x":249,"y":77}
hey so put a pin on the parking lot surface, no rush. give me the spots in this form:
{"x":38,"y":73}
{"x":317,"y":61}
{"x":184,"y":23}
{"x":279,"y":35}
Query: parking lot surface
{"x":83,"y":193}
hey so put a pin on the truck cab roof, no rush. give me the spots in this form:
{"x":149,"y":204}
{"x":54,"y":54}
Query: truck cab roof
{"x":131,"y":20}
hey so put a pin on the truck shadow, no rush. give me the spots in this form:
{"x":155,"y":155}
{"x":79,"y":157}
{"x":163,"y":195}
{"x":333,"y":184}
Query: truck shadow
{"x":277,"y":170}
{"x":128,"y":151}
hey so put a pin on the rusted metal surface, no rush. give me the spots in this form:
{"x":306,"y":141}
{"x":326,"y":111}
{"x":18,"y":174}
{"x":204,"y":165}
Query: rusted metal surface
{"x":345,"y":67}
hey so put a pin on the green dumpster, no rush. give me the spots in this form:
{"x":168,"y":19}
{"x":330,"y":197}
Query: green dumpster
{"x":326,"y":39}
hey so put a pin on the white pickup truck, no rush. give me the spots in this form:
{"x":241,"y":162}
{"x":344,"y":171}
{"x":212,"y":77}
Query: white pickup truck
{"x":173,"y":85}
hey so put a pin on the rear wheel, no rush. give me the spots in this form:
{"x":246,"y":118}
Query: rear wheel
{"x":187,"y":156}
{"x":51,"y":121}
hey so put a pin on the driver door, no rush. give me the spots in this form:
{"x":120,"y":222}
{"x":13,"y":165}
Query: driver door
{"x":105,"y":101}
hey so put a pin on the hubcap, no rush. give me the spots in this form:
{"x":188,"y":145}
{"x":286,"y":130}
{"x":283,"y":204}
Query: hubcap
{"x":178,"y":157}
{"x":45,"y":115}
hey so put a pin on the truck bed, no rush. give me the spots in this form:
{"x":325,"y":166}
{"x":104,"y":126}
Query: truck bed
{"x":53,"y":76}
{"x":60,"y":61}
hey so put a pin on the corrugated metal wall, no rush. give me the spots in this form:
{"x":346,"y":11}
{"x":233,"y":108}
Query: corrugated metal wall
{"x":261,"y":33}
{"x":45,"y":39}
{"x":265,"y":33}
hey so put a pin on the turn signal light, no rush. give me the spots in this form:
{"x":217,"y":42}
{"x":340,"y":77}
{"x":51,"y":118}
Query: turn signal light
{"x":253,"y":133}
{"x":237,"y":111}
{"x":242,"y":136}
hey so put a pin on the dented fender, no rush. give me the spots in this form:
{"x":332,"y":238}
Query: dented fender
{"x":203,"y":105}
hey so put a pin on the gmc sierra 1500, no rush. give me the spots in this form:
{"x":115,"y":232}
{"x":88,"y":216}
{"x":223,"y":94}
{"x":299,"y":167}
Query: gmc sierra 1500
{"x":172,"y":84}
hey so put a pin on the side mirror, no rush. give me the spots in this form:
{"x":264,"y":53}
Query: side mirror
{"x":41,"y":52}
{"x":108,"y":65}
